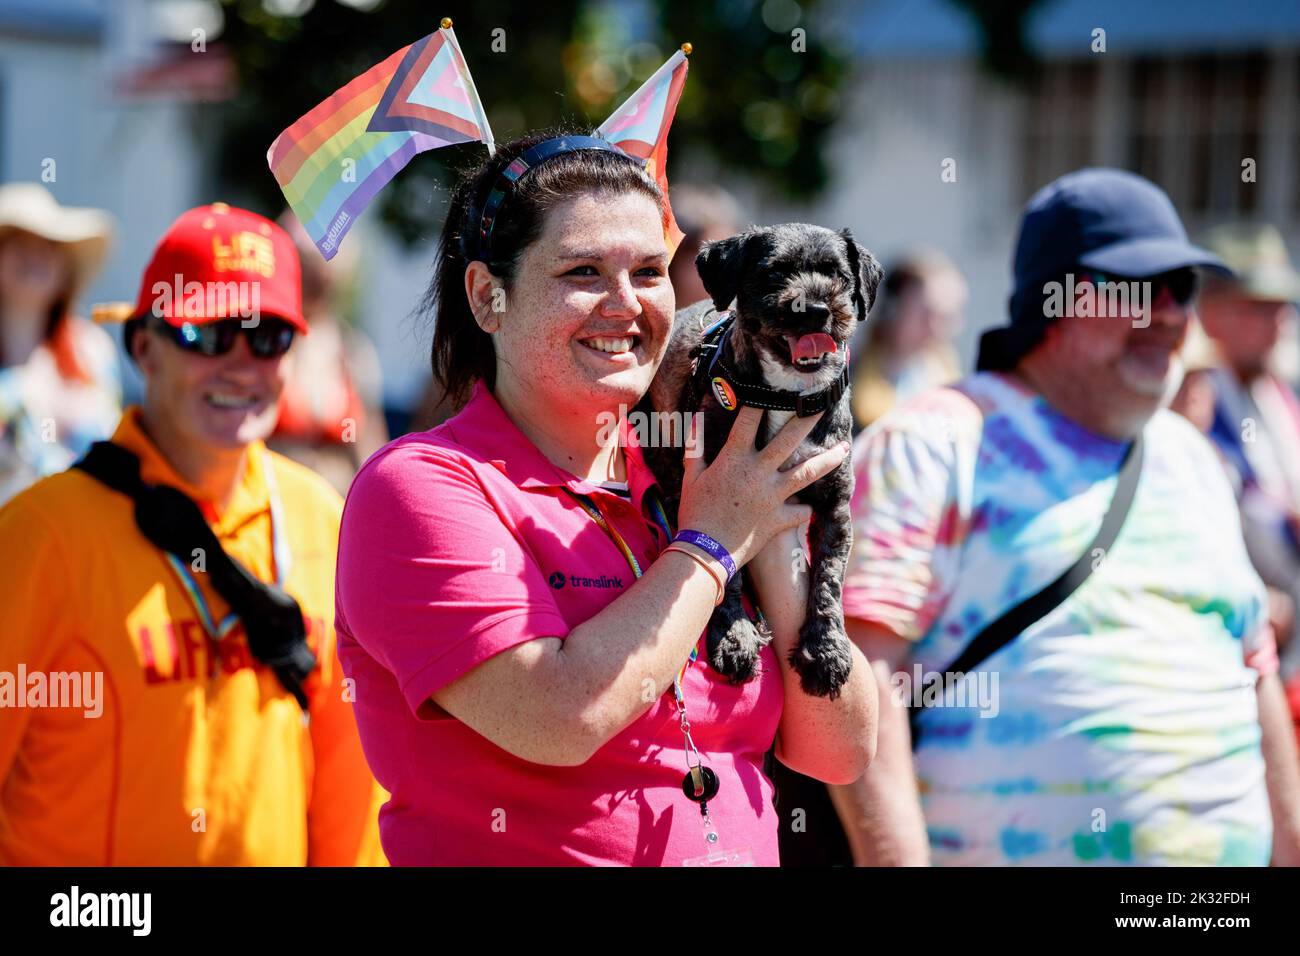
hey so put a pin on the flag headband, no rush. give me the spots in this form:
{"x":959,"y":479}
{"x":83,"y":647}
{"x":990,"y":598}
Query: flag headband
{"x":336,"y":158}
{"x":476,"y":238}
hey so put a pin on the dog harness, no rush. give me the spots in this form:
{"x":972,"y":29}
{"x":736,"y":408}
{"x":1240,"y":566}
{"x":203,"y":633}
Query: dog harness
{"x":710,"y":373}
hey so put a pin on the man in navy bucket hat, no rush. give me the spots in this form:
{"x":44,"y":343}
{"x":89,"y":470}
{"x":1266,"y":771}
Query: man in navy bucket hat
{"x":1107,"y":220}
{"x":1078,"y":667}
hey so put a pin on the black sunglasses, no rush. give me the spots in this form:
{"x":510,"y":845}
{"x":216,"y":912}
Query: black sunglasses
{"x":269,"y":338}
{"x":1181,"y":283}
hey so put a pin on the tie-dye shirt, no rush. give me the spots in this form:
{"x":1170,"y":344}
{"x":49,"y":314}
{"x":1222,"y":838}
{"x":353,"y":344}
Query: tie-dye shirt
{"x":1120,"y":729}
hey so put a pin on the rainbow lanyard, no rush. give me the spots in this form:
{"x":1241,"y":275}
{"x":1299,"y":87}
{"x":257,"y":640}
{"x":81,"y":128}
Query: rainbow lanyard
{"x":280,"y":554}
{"x":661,"y":519}
{"x":700,"y":784}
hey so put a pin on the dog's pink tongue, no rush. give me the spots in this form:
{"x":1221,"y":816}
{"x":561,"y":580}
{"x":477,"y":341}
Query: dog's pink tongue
{"x":811,"y":346}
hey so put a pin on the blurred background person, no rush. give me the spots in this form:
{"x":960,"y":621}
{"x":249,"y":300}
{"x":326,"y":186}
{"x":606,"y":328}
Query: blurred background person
{"x":906,"y":345}
{"x":1196,"y":401}
{"x":1195,"y":398}
{"x":331,"y":410}
{"x":59,"y":382}
{"x":704,"y":214}
{"x":974,"y":497}
{"x":1256,"y":416}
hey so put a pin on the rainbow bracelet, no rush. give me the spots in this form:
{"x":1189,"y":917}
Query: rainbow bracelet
{"x":707,"y":544}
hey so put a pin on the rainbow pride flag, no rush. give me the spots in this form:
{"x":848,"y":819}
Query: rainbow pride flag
{"x":332,"y":162}
{"x":640,"y":128}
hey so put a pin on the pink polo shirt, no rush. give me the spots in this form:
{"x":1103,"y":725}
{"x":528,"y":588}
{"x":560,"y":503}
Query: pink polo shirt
{"x":460,"y":542}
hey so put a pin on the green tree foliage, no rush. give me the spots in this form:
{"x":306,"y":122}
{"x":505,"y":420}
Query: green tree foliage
{"x":767,"y":84}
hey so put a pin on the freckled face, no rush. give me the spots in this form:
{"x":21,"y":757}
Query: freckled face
{"x":587,"y":319}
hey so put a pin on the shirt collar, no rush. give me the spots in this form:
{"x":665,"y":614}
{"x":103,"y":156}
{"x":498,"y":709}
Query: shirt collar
{"x":251,"y":497}
{"x":484,"y":428}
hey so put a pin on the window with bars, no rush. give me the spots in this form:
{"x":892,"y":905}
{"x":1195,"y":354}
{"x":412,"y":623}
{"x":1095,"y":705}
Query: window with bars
{"x":1059,"y":131}
{"x":1186,"y":122}
{"x":1193,"y":121}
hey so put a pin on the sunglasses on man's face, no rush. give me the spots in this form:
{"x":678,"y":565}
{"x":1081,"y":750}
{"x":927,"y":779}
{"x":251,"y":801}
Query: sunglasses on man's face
{"x":269,"y":338}
{"x":1181,"y":283}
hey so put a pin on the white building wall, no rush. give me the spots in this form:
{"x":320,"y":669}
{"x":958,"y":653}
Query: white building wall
{"x":903,"y":120}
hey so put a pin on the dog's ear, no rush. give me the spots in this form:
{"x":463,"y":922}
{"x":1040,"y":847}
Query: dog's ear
{"x":719,"y":266}
{"x":867,"y":273}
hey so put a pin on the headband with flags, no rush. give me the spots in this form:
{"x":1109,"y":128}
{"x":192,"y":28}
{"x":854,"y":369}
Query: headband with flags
{"x":333,"y":161}
{"x":640,"y":128}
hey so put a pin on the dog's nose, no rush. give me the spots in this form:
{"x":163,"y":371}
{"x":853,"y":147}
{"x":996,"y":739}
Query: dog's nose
{"x":817,"y":310}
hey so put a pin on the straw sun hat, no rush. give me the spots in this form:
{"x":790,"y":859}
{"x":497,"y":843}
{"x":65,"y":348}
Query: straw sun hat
{"x":84,"y":232}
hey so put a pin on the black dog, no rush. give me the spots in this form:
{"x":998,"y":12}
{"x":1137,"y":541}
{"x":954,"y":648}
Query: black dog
{"x":799,"y":291}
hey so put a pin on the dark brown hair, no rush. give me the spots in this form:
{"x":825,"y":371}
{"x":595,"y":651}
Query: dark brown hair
{"x":462,"y":352}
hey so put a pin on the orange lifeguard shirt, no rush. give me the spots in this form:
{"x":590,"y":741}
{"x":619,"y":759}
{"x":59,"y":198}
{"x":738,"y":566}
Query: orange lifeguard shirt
{"x":198,"y":756}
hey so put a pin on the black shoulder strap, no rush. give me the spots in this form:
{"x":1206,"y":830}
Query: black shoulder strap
{"x":114,"y":466}
{"x":173,"y":522}
{"x":1018,"y":619}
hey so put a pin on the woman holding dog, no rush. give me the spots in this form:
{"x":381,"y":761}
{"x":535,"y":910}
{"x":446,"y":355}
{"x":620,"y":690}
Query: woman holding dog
{"x":522,"y":635}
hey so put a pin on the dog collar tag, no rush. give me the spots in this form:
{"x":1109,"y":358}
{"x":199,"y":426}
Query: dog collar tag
{"x":724,"y":393}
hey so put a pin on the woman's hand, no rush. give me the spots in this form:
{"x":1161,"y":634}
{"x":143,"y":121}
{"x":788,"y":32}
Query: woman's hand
{"x":740,"y":500}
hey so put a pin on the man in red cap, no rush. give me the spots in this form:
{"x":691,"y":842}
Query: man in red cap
{"x":167,"y":668}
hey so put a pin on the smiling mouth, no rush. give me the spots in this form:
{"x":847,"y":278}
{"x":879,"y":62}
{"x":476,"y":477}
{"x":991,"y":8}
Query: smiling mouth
{"x":612,"y":344}
{"x":809,"y":352}
{"x":228,"y":402}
